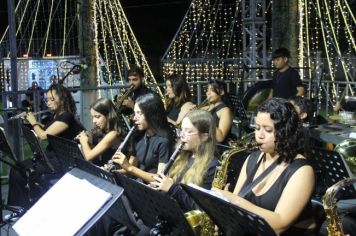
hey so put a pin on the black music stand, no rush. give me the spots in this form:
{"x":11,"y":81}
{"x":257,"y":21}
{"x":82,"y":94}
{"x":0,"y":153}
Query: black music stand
{"x":5,"y":150}
{"x":67,"y":151}
{"x":114,"y":190}
{"x":330,"y":168}
{"x":157,"y":210}
{"x":231,"y":219}
{"x":35,"y":145}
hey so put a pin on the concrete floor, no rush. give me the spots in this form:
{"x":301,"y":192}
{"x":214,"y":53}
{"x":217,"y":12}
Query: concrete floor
{"x":6,"y":230}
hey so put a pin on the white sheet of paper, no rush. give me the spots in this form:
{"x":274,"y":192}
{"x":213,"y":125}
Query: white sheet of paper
{"x":64,"y":209}
{"x":216,"y":194}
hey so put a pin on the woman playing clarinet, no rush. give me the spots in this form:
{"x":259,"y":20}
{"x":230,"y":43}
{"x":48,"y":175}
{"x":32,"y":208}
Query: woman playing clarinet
{"x":196,"y":162}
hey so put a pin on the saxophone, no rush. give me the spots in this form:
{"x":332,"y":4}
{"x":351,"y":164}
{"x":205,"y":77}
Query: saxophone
{"x":200,"y":222}
{"x":329,"y":204}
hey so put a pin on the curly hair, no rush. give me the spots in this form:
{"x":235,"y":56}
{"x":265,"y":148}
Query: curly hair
{"x":289,"y":136}
{"x":180,"y":90}
{"x":66,"y":101}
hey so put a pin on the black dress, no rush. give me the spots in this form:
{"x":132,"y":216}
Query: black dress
{"x":269,"y":200}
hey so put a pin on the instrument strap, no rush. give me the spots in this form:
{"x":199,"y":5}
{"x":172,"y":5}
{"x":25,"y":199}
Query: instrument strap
{"x":248,"y":188}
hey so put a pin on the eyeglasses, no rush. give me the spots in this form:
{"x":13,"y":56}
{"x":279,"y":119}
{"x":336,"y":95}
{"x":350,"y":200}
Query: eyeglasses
{"x":181,"y":133}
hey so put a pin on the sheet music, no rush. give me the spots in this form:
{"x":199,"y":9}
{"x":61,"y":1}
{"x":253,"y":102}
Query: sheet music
{"x":216,"y":194}
{"x":64,"y":209}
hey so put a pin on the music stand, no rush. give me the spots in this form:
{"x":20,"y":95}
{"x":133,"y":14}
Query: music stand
{"x":29,"y":222}
{"x":231,"y":219}
{"x":330,"y":168}
{"x":5,"y":149}
{"x":35,"y":145}
{"x":156,"y":209}
{"x":67,"y":151}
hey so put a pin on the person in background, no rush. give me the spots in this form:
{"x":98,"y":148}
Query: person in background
{"x":219,"y":108}
{"x":178,"y":99}
{"x":136,"y":79}
{"x":286,"y":80}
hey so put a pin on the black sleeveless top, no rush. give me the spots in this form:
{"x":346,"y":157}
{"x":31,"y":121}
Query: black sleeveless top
{"x":173,"y":112}
{"x":270,"y":199}
{"x":214,"y":112}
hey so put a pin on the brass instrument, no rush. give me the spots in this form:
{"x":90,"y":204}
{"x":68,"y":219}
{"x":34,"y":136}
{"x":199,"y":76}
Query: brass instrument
{"x":200,"y":221}
{"x":203,"y":104}
{"x":110,"y":165}
{"x":329,"y":204}
{"x":124,"y":96}
{"x":23,"y":114}
{"x":347,"y":149}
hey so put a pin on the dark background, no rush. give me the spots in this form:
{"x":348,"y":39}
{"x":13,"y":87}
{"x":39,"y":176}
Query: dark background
{"x":154,"y":23}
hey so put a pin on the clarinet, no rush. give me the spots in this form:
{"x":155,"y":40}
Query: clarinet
{"x":169,"y":164}
{"x":110,"y":164}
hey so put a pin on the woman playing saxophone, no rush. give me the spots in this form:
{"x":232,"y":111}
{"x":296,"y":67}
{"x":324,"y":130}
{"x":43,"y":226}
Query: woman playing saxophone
{"x":282,"y":196}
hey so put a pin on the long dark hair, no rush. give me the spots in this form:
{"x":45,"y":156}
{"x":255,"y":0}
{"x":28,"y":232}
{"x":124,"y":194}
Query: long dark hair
{"x":105,"y":107}
{"x":152,"y":108}
{"x":66,"y":101}
{"x":219,"y":86}
{"x":180,"y":90}
{"x":289,"y":136}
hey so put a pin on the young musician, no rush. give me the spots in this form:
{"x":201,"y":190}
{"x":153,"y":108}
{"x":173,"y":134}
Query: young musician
{"x":152,"y":145}
{"x":153,"y":141}
{"x":63,"y":124}
{"x":178,"y":102}
{"x":218,"y":107}
{"x":135,"y":78}
{"x":104,"y":138}
{"x":196,"y":162}
{"x":282,"y":196}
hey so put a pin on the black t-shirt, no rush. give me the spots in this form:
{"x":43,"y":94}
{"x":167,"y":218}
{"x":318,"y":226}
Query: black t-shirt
{"x":74,"y":127}
{"x":285,"y":83}
{"x":151,"y":150}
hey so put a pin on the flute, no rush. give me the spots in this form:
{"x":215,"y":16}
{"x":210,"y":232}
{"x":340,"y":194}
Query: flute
{"x":173,"y":157}
{"x":23,"y":114}
{"x":110,"y":165}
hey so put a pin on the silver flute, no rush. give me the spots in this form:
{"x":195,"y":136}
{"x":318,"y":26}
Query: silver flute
{"x":23,"y":114}
{"x":111,"y":165}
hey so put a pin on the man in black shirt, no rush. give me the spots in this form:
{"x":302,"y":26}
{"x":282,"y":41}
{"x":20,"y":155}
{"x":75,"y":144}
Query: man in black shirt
{"x":286,"y":80}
